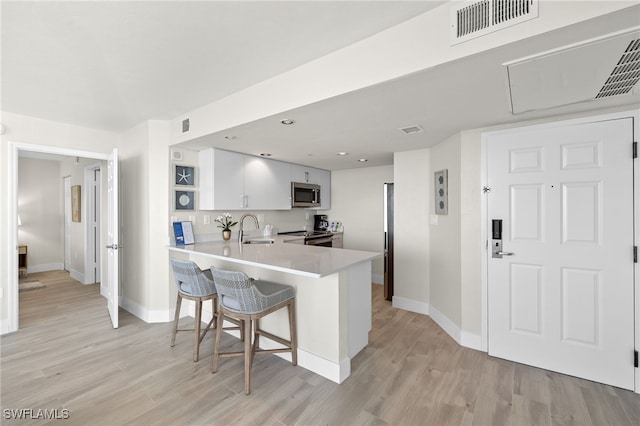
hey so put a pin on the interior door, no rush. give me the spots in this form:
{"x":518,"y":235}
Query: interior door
{"x":560,"y":290}
{"x":113,"y":281}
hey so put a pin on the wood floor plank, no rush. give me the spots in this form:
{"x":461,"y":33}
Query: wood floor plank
{"x":67,"y":356}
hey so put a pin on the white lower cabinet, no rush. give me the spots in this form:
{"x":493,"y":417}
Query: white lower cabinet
{"x":233,"y":181}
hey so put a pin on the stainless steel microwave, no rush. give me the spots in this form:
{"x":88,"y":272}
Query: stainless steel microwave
{"x":305,"y":194}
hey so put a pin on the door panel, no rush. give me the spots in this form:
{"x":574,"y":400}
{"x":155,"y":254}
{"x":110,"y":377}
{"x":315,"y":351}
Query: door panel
{"x":563,"y":300}
{"x":113,"y":229}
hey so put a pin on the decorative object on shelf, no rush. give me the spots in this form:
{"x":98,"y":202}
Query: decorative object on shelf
{"x":185,"y":200}
{"x":75,"y":203}
{"x":226,"y":221}
{"x":185,"y":175}
{"x":440,"y":183}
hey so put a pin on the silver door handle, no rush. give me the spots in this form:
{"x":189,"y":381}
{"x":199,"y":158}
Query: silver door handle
{"x":113,"y":246}
{"x":505,"y":253}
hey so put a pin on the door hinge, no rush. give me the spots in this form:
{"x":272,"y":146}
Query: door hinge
{"x":635,"y":359}
{"x":635,"y":254}
{"x":635,"y":150}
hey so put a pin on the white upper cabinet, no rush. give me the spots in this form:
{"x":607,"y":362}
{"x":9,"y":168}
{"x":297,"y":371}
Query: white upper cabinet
{"x":320,"y":177}
{"x":221,"y":180}
{"x":233,"y":181}
{"x":267,"y":184}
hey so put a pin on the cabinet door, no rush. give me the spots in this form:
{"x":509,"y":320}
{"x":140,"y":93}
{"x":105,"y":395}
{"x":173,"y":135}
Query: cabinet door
{"x":301,"y":173}
{"x":324,"y":180}
{"x":221,"y":180}
{"x":267,"y":184}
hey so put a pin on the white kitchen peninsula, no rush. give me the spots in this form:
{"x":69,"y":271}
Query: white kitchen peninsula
{"x":333,"y":295}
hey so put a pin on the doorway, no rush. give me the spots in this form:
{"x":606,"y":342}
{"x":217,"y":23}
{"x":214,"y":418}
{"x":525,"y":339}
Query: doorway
{"x":11,"y":324}
{"x":560,"y":269}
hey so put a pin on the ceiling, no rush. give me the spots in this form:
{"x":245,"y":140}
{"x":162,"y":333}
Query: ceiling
{"x":111,"y":65}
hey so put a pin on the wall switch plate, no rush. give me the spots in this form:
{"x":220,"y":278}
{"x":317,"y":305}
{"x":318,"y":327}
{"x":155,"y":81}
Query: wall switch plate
{"x":260,"y":217}
{"x":207,"y":219}
{"x":192,"y":218}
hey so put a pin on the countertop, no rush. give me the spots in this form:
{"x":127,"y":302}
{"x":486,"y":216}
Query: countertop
{"x":299,"y":259}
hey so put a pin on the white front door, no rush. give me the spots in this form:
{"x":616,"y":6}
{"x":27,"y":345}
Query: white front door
{"x":561,"y":296}
{"x":113,"y":281}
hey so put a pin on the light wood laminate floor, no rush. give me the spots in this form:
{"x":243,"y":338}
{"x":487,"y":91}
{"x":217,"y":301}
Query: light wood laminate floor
{"x":67,"y":356}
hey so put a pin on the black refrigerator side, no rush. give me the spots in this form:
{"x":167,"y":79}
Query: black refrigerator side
{"x":388,"y":241}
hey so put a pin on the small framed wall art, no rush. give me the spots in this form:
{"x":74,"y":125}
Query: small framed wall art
{"x":440,"y":189}
{"x":185,"y":200}
{"x":185,"y":175}
{"x":75,"y":204}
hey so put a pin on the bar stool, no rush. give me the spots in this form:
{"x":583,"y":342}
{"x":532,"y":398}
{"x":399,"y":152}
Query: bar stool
{"x":197,"y":285}
{"x":248,"y":300}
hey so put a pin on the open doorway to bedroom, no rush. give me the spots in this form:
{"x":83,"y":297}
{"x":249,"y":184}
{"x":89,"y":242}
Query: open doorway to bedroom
{"x":60,"y":210}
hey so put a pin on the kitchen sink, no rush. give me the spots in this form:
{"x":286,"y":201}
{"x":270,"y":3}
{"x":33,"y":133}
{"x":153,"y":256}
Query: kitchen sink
{"x":262,"y":241}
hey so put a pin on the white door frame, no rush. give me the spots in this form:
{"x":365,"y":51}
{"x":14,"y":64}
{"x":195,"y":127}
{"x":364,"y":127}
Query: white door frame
{"x":91,"y":243}
{"x":67,"y":223}
{"x":12,"y":273}
{"x":635,"y":115}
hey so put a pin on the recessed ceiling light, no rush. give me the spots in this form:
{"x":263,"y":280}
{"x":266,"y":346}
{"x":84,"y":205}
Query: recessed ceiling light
{"x":231,"y":138}
{"x":287,"y":121}
{"x":265,"y":154}
{"x":342,"y":153}
{"x":362,"y":160}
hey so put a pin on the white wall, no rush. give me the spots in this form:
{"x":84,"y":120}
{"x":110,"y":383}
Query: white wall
{"x":41,"y":210}
{"x":357,"y":199}
{"x":445,"y":230}
{"x":412,"y":195}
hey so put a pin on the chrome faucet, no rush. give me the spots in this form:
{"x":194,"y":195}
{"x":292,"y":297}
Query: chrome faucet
{"x":241,"y":222}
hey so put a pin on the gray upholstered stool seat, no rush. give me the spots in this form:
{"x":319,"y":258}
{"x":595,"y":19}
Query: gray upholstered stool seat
{"x":248,"y":300}
{"x":197,"y":285}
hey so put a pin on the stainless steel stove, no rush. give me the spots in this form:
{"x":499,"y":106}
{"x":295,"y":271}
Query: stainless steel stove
{"x":314,"y":238}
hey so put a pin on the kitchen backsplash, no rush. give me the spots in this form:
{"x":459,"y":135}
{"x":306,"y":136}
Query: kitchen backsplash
{"x":282,"y":221}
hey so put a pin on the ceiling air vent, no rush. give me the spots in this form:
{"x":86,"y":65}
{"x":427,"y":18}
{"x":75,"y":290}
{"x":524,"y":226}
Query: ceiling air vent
{"x":625,"y":74}
{"x":409,"y":130}
{"x":479,"y":17}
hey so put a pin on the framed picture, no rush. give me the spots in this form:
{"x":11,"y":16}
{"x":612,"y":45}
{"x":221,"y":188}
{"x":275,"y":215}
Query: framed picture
{"x":75,"y":203}
{"x":185,"y":175}
{"x":185,"y":200}
{"x":440,"y":188}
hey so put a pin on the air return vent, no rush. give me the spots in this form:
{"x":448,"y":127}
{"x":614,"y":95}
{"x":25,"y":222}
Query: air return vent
{"x":475,"y":18}
{"x":409,"y":130}
{"x":625,"y":74}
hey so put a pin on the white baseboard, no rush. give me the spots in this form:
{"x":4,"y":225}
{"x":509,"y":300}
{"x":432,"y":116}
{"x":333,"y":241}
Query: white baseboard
{"x":445,"y":323}
{"x":146,"y":315}
{"x":77,"y":275}
{"x":410,"y":305}
{"x":471,"y":340}
{"x":45,"y":267}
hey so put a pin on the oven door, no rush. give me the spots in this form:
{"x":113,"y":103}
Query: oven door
{"x":322,"y":241}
